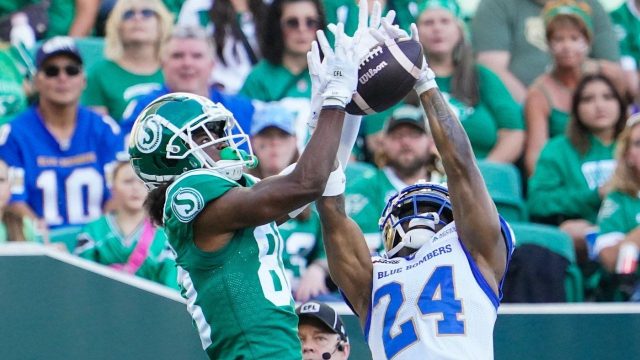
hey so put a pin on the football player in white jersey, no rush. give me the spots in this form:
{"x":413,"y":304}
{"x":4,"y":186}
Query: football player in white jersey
{"x":436,"y":292}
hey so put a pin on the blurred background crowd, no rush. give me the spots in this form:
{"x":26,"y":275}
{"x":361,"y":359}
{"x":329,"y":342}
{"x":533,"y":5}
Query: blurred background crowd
{"x":547,"y":91}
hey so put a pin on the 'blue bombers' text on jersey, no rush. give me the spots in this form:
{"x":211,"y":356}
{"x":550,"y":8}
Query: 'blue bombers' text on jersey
{"x":434,"y":304}
{"x":65,"y":184}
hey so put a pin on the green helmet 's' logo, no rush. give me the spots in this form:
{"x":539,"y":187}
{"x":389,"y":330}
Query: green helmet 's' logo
{"x":149,"y":135}
{"x":186,"y":204}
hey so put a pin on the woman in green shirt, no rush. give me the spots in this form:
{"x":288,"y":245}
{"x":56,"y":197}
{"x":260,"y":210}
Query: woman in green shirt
{"x":619,"y":215}
{"x":488,"y":113}
{"x":125,"y":238}
{"x":569,"y":34}
{"x":131,"y":68}
{"x":573,"y":169}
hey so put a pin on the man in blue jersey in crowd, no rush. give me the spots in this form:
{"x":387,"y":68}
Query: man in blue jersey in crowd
{"x":60,"y":152}
{"x":187,"y":61}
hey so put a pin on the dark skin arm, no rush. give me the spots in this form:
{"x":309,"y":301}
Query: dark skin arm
{"x":474,"y":212}
{"x":274,"y":197}
{"x":349,"y":260}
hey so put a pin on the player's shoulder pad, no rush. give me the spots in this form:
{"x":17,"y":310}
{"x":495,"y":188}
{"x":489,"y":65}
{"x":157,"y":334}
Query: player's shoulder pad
{"x":191,"y":191}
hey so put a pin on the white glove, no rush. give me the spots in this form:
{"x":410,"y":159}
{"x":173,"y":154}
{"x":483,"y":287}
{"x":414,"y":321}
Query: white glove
{"x":341,"y":68}
{"x":317,"y":71}
{"x":427,"y":78}
{"x":366,"y":41}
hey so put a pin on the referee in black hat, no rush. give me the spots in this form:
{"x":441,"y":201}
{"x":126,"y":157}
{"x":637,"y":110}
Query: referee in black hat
{"x":321,"y":332}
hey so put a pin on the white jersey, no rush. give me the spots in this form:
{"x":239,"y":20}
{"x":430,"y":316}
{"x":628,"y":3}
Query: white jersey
{"x":434,"y":304}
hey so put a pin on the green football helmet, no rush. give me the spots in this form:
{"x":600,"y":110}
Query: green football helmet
{"x":161,"y":145}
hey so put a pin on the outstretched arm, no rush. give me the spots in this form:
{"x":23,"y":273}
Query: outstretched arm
{"x":347,"y":253}
{"x":274,"y":197}
{"x":475,"y":214}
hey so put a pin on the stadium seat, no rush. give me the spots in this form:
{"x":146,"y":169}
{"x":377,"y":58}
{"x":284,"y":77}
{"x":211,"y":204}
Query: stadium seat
{"x":505,"y":187}
{"x":551,"y":238}
{"x":91,"y":49}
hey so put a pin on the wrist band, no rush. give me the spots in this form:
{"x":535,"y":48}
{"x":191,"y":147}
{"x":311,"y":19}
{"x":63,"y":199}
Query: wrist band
{"x":333,"y":107}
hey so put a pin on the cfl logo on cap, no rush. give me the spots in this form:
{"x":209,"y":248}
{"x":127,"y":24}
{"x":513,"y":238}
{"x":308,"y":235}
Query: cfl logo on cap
{"x":310,"y":308}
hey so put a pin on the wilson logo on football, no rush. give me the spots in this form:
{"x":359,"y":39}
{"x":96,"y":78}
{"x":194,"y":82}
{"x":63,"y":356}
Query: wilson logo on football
{"x":371,"y":73}
{"x":149,"y":135}
{"x":186,"y":204}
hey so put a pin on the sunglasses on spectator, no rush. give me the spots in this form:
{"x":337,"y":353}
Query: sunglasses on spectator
{"x":53,"y":71}
{"x":295,"y":23}
{"x":146,"y":13}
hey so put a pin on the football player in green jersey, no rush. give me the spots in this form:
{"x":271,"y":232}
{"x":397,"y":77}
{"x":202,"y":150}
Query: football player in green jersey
{"x":221,"y":222}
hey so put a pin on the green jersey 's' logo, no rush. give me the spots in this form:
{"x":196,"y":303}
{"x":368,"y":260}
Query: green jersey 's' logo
{"x":149,"y":135}
{"x":186,"y":203}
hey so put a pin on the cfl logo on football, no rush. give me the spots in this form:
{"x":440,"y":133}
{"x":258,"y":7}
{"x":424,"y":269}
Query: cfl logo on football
{"x":371,"y":73}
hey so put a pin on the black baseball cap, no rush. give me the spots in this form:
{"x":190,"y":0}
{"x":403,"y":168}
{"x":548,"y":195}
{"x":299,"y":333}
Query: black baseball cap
{"x":406,"y":114}
{"x":58,"y":45}
{"x":324,"y":313}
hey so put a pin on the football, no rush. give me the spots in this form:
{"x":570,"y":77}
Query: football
{"x":386,"y":75}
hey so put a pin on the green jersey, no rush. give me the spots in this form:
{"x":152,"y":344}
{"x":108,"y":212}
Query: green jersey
{"x":496,"y":110}
{"x":618,"y":216}
{"x":118,"y":89}
{"x":626,"y":24}
{"x":13,"y":99}
{"x":302,"y":246}
{"x":238,"y":296}
{"x":102,"y":241}
{"x":565,"y":183}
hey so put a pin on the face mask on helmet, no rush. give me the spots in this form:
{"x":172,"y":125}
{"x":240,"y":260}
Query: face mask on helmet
{"x":172,"y":133}
{"x":410,"y":218}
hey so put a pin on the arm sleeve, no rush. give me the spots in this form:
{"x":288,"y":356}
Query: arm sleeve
{"x":550,"y":194}
{"x":506,"y":111}
{"x":490,"y":26}
{"x":605,"y":43}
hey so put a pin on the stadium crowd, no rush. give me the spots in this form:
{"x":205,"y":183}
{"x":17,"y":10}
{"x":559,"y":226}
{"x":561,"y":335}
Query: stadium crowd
{"x":547,"y":91}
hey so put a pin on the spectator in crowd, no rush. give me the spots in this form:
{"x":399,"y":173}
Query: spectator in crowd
{"x":618,"y":218}
{"x":236,"y":25}
{"x":572,"y":172}
{"x":569,"y":32}
{"x":60,"y":152}
{"x":322,"y":333}
{"x":74,"y":18}
{"x":135,"y":30}
{"x":492,"y":119}
{"x":626,"y":24}
{"x":187,"y":60}
{"x":509,"y":38}
{"x":13,"y":227}
{"x":282,"y":75}
{"x":125,"y":238}
{"x":273,"y":141}
{"x":406,"y":154}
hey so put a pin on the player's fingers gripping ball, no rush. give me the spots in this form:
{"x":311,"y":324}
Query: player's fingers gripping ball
{"x":341,"y":68}
{"x":386,"y":75}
